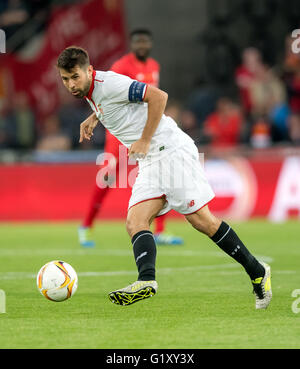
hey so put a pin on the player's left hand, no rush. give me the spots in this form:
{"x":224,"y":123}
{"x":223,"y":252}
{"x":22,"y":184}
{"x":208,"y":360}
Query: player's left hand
{"x":139,"y":149}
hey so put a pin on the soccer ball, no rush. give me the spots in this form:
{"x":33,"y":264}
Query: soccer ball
{"x":57,"y":281}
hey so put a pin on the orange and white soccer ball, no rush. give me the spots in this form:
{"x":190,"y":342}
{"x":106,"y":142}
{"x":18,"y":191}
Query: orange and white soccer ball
{"x":57,"y":280}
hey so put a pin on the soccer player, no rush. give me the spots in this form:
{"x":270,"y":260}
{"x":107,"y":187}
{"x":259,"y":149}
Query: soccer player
{"x":139,"y":66}
{"x":170,"y":174}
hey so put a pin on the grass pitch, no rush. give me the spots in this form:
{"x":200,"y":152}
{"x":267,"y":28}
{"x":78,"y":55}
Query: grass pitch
{"x":204,"y":299}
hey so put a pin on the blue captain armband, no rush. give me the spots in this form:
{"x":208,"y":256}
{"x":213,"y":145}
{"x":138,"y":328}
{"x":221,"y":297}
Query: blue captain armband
{"x":137,"y":91}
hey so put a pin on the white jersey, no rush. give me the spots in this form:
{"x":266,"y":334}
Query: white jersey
{"x":118,"y":103}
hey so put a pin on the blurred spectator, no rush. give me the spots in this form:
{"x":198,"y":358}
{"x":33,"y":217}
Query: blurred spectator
{"x":269,"y":99}
{"x":224,"y":126}
{"x":52,"y":138}
{"x":294,"y":129}
{"x":21,"y":123}
{"x":245,"y":74}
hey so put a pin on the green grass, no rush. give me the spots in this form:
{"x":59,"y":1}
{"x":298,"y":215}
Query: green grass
{"x":204,"y":299}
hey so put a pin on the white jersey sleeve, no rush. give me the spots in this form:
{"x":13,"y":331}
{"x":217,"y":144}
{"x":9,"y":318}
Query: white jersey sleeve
{"x":122,"y":89}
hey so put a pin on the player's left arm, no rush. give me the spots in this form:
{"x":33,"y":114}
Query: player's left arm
{"x":157,"y":101}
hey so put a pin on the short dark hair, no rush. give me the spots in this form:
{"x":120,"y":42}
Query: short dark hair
{"x":72,"y":56}
{"x":141,"y":31}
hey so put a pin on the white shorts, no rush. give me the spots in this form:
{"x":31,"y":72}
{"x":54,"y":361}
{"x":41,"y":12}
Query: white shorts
{"x":178,"y":177}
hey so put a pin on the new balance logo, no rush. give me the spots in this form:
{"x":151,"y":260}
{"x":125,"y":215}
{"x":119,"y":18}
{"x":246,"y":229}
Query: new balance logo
{"x":191,"y":204}
{"x":140,"y":256}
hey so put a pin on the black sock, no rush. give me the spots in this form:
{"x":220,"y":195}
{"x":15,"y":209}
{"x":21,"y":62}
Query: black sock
{"x":144,"y":249}
{"x":229,"y":242}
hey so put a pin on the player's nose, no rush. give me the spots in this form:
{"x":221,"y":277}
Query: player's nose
{"x":71,"y":85}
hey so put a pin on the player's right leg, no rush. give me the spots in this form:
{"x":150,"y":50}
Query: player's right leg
{"x":139,"y":219}
{"x":225,"y":237}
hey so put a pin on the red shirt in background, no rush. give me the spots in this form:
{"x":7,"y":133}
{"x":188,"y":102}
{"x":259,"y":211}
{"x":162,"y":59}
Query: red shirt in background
{"x":147,"y":72}
{"x":224,"y":130}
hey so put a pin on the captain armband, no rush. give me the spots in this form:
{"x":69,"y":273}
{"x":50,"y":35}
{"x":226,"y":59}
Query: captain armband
{"x":137,"y":91}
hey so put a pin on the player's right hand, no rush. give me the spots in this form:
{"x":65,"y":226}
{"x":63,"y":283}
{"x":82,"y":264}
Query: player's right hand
{"x":87,"y":127}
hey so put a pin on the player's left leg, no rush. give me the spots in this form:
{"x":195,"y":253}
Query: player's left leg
{"x":225,"y":237}
{"x":139,"y":220}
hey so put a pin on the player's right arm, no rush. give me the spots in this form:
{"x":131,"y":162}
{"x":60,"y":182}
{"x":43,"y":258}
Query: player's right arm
{"x":87,"y":127}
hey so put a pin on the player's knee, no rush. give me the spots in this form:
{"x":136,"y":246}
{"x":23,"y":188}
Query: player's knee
{"x":212,"y":227}
{"x":129,"y":226}
{"x":134,"y":225}
{"x":206,"y":225}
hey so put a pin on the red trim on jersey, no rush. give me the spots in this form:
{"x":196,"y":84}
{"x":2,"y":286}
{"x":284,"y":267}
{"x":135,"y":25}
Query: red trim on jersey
{"x":94,"y":104}
{"x":145,"y":92}
{"x":153,"y":198}
{"x":91,"y":90}
{"x":89,"y":95}
{"x":200,"y":208}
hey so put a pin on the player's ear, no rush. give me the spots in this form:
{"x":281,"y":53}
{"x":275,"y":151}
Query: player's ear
{"x":90,"y":70}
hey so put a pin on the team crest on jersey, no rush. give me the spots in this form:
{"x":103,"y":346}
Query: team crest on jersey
{"x":100,"y":109}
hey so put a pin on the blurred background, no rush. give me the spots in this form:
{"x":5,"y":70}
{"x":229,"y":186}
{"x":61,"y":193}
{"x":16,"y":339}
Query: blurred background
{"x":233,"y":82}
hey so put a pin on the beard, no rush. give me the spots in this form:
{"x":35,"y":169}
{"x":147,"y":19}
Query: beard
{"x":80,"y":93}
